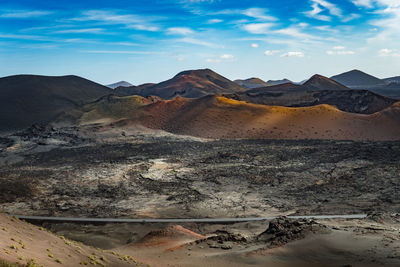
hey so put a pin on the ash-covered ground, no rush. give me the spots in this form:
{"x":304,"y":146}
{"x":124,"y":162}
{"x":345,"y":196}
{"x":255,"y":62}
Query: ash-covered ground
{"x":97,"y":172}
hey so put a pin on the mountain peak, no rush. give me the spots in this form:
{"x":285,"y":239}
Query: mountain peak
{"x":357,"y":78}
{"x":197,"y":72}
{"x":321,"y":82}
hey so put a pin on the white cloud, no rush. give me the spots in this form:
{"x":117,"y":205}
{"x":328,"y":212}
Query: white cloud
{"x":294,"y":32}
{"x":293,"y":54}
{"x":22,"y":14}
{"x":90,"y":30}
{"x":340,"y":52}
{"x":197,"y":42}
{"x":213,"y":60}
{"x":389,"y":25}
{"x":221,"y":58}
{"x":363,"y":3}
{"x":143,"y":27}
{"x":325,"y":28}
{"x":315,"y":13}
{"x":24,"y":37}
{"x":339,"y":47}
{"x":254,"y":45}
{"x":180,"y":57}
{"x":179,"y":31}
{"x":271,"y":52}
{"x":258,"y":28}
{"x":303,"y":25}
{"x":108,"y":17}
{"x":333,"y":9}
{"x":122,"y":52}
{"x":319,"y":6}
{"x":227,"y":56}
{"x":213,"y":21}
{"x":385,"y":52}
{"x":351,"y":17}
{"x":256,"y":13}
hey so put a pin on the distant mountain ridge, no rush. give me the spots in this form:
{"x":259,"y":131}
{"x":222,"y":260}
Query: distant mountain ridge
{"x":277,"y":82}
{"x":317,"y":90}
{"x":252,"y":83}
{"x":118,"y":84}
{"x":395,"y":79}
{"x":357,"y":78}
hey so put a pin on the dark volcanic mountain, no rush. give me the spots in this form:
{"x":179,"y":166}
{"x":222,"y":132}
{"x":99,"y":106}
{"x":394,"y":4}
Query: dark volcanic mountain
{"x":317,"y":90}
{"x":191,"y":83}
{"x":252,"y":83}
{"x":132,"y":90}
{"x":277,"y":82}
{"x":319,"y":82}
{"x":358,"y":79}
{"x":315,"y":83}
{"x":355,"y":101}
{"x":29,"y":99}
{"x":392,"y":79}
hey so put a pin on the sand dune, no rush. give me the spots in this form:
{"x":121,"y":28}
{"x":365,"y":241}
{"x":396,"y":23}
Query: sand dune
{"x":22,"y":244}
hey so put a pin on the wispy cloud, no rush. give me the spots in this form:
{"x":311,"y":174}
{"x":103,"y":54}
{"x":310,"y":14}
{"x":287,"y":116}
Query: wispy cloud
{"x":254,"y":45}
{"x":214,"y":21}
{"x":255,"y":13}
{"x":385,"y":52}
{"x":320,"y":6}
{"x":125,"y":43}
{"x":227,"y":56}
{"x":389,"y":25}
{"x":258,"y":28}
{"x":180,"y":30}
{"x":363,"y":3}
{"x":221,"y":58}
{"x":339,"y":52}
{"x":315,"y":13}
{"x":258,"y":13}
{"x":194,"y":41}
{"x":293,"y":54}
{"x":89,"y":30}
{"x":339,"y":47}
{"x":23,"y":14}
{"x":295,"y":32}
{"x":272,"y":52}
{"x":129,"y":20}
{"x":23,"y":37}
{"x":121,"y":52}
{"x":351,"y":17}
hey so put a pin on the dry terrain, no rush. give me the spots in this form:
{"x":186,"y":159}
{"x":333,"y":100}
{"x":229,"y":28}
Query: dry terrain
{"x":120,"y":169}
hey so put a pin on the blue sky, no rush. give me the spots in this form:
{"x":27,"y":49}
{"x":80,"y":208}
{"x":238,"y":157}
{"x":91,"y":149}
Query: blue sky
{"x":150,"y":41}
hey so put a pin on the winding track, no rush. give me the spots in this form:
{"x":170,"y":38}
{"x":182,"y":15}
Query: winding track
{"x":185,"y":220}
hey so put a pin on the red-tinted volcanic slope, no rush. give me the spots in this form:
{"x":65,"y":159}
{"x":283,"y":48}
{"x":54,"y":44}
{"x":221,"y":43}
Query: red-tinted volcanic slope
{"x":192,"y":84}
{"x":220,"y":117}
